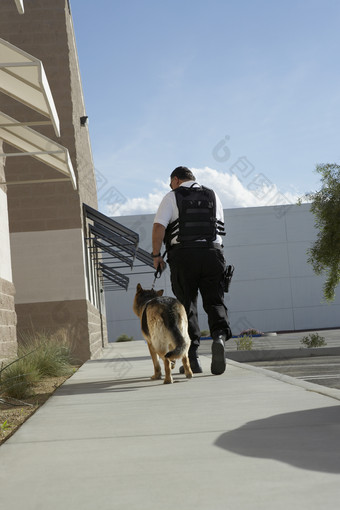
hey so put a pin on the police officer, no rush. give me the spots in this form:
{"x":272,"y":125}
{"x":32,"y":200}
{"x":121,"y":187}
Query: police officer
{"x":190,"y":221}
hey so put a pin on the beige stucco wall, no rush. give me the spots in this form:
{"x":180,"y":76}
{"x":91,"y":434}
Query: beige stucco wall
{"x":48,"y":269}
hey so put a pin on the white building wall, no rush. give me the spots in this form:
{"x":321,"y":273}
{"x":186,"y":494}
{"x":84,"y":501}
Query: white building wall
{"x":5,"y":251}
{"x":8,"y":318}
{"x":273,"y":288}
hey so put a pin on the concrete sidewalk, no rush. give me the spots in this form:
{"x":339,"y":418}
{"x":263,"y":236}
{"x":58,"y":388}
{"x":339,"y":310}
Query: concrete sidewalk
{"x":110,"y":438}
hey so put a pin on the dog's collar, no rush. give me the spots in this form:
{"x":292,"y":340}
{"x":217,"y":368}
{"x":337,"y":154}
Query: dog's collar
{"x":146,"y":304}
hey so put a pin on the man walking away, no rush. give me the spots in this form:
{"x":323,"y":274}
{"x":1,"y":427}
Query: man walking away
{"x":190,"y":222}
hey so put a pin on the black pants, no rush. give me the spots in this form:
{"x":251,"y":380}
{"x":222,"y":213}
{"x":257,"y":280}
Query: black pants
{"x":200,"y":269}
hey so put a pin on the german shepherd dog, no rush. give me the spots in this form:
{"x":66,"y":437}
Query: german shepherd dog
{"x":164,"y":326}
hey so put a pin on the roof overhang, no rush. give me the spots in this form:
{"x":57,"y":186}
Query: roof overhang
{"x":20,"y":6}
{"x":32,"y":143}
{"x":23,"y":77}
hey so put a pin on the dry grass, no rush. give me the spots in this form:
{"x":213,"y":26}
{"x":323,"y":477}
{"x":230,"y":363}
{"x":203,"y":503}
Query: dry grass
{"x":39,"y":355}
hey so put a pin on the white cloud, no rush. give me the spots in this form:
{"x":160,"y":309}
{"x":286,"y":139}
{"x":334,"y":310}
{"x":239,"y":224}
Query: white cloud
{"x":141,"y":205}
{"x":253,"y":191}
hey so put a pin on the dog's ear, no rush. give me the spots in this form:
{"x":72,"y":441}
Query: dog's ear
{"x":139,"y":287}
{"x":160,"y":292}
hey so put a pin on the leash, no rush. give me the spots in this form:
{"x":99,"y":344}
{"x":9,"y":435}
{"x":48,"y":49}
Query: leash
{"x":158,"y":272}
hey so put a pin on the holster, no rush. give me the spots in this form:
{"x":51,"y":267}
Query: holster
{"x":228,"y":274}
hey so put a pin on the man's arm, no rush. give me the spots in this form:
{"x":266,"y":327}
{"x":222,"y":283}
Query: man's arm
{"x":158,"y":232}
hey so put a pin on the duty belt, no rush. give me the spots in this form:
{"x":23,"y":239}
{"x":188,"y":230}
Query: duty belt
{"x":196,"y":244}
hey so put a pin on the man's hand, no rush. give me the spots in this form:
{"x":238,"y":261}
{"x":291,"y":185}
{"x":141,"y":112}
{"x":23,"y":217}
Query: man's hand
{"x":159,"y":261}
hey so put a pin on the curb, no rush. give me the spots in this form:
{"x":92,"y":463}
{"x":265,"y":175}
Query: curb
{"x":316,"y":388}
{"x":276,"y":354}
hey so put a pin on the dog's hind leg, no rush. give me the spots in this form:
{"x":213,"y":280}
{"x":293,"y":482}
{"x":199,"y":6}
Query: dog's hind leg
{"x":186,"y":366}
{"x":167,"y":368}
{"x":157,"y":367}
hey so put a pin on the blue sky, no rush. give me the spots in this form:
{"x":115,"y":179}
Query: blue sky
{"x":244,"y":92}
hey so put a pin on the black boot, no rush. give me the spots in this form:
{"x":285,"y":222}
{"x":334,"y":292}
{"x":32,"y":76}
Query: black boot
{"x":218,"y":362}
{"x":195,"y":366}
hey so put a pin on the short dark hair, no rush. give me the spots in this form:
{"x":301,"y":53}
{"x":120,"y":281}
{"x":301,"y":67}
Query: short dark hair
{"x":183,"y":173}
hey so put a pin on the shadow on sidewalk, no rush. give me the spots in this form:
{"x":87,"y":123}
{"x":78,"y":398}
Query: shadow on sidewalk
{"x":112,"y":385}
{"x":109,"y":386}
{"x":305,"y":439}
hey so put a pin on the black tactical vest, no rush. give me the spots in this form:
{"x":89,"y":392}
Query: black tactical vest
{"x":197,"y":217}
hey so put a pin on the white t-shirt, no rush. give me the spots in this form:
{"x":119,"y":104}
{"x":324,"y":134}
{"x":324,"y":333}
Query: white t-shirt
{"x":168,"y":210}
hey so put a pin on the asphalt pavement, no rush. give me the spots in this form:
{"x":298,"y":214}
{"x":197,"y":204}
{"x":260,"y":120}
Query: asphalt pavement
{"x":322,"y":370}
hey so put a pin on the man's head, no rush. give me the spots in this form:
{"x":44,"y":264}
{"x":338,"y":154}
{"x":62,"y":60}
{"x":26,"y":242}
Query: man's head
{"x":179,"y":175}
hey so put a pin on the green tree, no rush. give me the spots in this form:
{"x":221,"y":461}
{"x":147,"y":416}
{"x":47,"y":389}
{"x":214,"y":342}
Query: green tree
{"x":324,"y":255}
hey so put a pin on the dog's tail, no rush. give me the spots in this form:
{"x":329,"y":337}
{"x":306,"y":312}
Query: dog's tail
{"x":177,"y":336}
{"x":179,"y":349}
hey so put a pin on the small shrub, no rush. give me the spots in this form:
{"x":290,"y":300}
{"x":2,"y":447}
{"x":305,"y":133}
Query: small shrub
{"x":244,"y":343}
{"x":250,"y":332}
{"x":124,"y":338}
{"x":205,"y":332}
{"x":5,"y":425}
{"x":313,"y":340}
